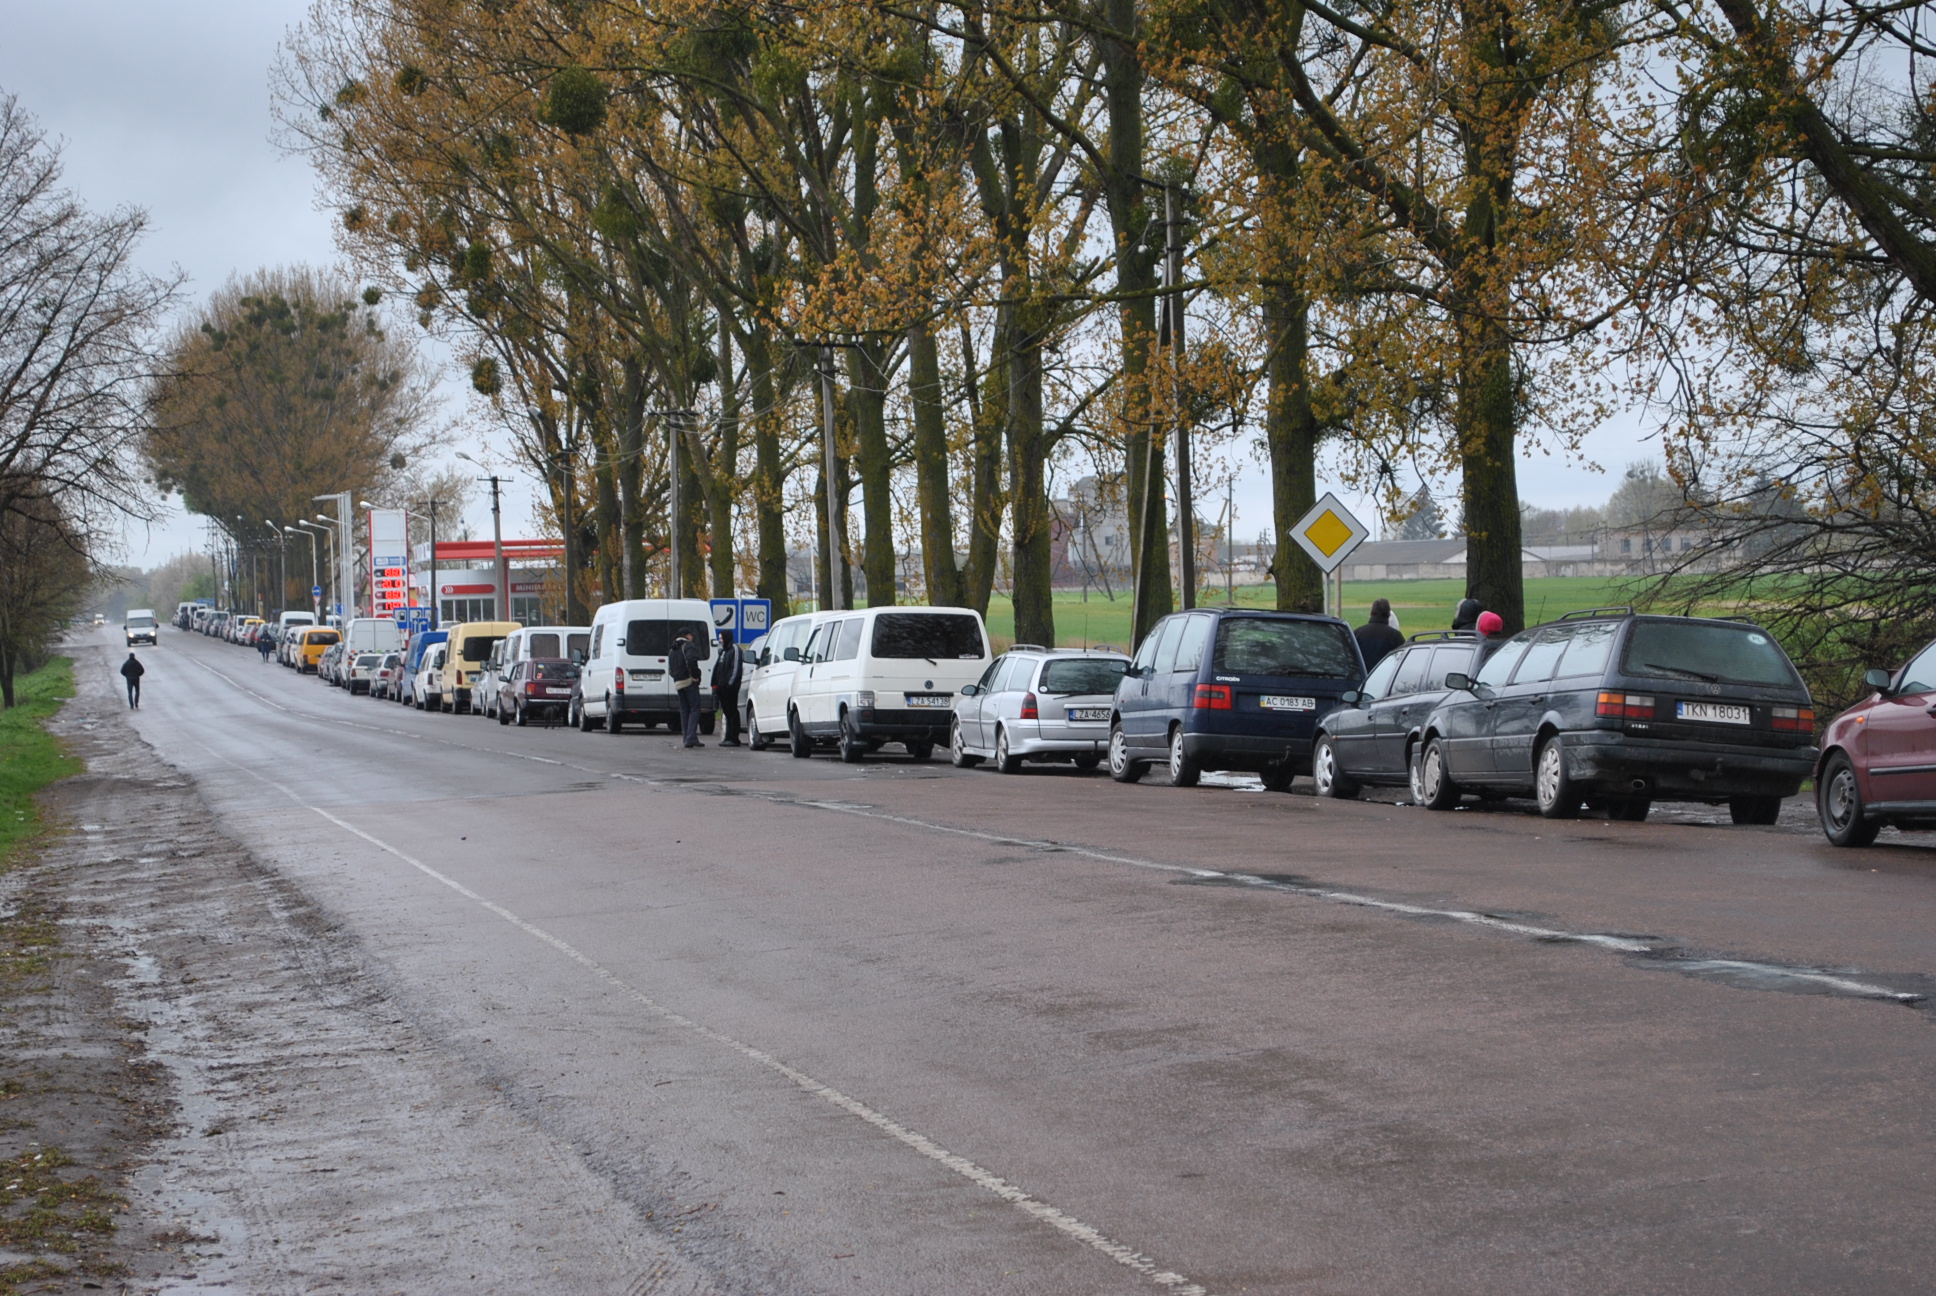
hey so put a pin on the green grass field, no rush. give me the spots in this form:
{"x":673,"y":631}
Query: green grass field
{"x":1420,"y":605}
{"x":30,"y":758}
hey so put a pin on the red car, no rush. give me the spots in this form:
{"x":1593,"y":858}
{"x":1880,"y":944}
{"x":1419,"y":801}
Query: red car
{"x":537,"y":686}
{"x":1878,"y":763}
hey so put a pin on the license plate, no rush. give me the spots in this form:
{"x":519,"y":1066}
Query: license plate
{"x":1088,"y":713}
{"x":930,"y":699}
{"x":1712,"y":712}
{"x":1273,"y":703}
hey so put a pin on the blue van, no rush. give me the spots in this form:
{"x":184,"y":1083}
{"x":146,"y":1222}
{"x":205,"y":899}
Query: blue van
{"x":1231,"y":689}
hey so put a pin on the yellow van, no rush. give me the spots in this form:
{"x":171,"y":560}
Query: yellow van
{"x":311,"y":647}
{"x":470,"y":645}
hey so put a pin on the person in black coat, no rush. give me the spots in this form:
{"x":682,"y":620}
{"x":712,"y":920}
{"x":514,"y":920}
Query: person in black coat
{"x":729,"y":671}
{"x":1467,"y":616}
{"x":682,"y":663}
{"x":132,"y":670}
{"x":1378,"y":636}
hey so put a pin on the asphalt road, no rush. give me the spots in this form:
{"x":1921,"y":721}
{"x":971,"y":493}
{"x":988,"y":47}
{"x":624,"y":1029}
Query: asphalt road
{"x":901,"y":1028}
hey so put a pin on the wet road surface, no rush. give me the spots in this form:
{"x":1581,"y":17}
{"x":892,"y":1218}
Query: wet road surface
{"x":903,"y":1028}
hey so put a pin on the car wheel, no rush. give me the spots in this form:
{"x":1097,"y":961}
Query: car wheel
{"x":614,"y":722}
{"x":958,"y":754}
{"x":920,"y":751}
{"x":852,"y":746}
{"x":755,"y":740}
{"x":1557,"y":797}
{"x":1278,"y":778}
{"x":797,"y":741}
{"x":1330,"y":780}
{"x":1432,"y":786}
{"x":519,"y":716}
{"x":1629,"y":809}
{"x":1087,"y":764}
{"x":1756,"y":810}
{"x":1184,"y":770}
{"x":1838,"y":800}
{"x":502,"y":717}
{"x":1005,"y":763}
{"x":708,"y":721}
{"x":585,"y":722}
{"x":1121,"y":767}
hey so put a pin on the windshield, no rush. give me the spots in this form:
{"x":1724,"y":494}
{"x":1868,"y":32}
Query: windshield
{"x":1083,"y":675}
{"x":141,"y":622}
{"x":1709,"y":651}
{"x":902,"y":635}
{"x":477,"y":648}
{"x":1260,"y":646}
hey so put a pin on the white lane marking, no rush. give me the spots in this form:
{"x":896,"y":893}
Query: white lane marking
{"x":1860,"y":989}
{"x":1032,"y":1206}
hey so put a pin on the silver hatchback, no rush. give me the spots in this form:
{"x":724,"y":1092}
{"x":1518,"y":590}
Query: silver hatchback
{"x":1040,"y":704}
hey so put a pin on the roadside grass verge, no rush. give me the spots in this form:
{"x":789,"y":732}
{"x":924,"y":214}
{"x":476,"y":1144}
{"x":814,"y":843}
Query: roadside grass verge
{"x":30,"y":757}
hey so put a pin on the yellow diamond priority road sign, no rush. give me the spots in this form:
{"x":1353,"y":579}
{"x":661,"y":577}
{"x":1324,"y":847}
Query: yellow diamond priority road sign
{"x":1329,"y":533}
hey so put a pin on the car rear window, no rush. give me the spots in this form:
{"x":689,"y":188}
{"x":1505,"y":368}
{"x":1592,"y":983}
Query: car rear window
{"x":477,"y":648}
{"x":555,"y":670}
{"x":368,"y":659}
{"x":654,"y":638}
{"x":1260,"y":646}
{"x":1711,"y":651}
{"x":1083,"y":675}
{"x":320,"y":637}
{"x":941,"y":635}
{"x":542,"y":645}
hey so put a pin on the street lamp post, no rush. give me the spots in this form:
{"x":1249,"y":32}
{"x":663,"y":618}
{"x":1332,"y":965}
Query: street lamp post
{"x":836,"y":558}
{"x":310,"y":529}
{"x":503,"y":585}
{"x":345,"y":584}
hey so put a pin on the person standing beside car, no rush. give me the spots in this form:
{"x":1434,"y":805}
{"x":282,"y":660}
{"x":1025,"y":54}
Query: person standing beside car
{"x":132,"y":670}
{"x":1378,"y":636}
{"x":728,"y":671}
{"x":683,"y":665}
{"x":1467,"y":615}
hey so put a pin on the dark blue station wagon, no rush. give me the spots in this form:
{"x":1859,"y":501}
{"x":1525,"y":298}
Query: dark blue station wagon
{"x":1230,"y":689}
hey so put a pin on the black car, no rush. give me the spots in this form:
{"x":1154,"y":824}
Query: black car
{"x":1370,"y":739}
{"x":1230,"y":689}
{"x":1618,"y":710}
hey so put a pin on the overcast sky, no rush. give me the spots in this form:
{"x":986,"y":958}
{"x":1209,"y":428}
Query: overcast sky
{"x":165,"y":106}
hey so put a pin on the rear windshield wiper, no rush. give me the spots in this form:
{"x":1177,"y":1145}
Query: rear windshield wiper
{"x":1683,"y":670}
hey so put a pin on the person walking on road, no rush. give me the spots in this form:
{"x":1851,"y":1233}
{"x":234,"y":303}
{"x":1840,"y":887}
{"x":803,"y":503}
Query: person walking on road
{"x":728,"y":671}
{"x":684,"y":669}
{"x":132,"y":670}
{"x":1378,"y":636}
{"x":264,"y":645}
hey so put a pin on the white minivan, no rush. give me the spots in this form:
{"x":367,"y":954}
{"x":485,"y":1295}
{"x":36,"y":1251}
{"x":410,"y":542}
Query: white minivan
{"x":568,"y":643}
{"x":769,"y":676}
{"x":625,"y":672}
{"x":884,"y":675}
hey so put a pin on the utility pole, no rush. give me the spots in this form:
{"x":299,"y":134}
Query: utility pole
{"x":836,"y":559}
{"x":432,"y":586}
{"x":1186,"y":522}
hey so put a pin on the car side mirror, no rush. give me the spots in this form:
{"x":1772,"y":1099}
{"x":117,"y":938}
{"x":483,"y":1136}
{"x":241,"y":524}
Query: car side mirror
{"x":969,"y":690}
{"x":792,"y":655}
{"x":1459,"y":681}
{"x":1351,"y":697}
{"x":1878,"y":680}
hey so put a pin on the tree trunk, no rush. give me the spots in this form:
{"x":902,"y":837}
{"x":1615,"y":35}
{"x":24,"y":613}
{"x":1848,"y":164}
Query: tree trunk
{"x":938,"y":565}
{"x":693,"y":511}
{"x":722,"y":473}
{"x":611,"y":529}
{"x":631,"y":470}
{"x":1033,"y":574}
{"x":1487,"y":427}
{"x":1292,"y":433}
{"x":769,"y":478}
{"x":990,"y":413}
{"x":867,"y":391}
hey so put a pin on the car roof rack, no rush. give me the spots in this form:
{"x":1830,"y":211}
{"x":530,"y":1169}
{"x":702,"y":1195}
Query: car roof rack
{"x":1428,"y":635}
{"x":1026,"y":648}
{"x":1744,"y":620}
{"x":1588,"y":614}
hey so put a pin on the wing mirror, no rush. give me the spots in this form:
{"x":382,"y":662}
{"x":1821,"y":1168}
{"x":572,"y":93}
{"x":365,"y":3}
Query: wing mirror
{"x":970,"y":690}
{"x":792,"y":655}
{"x":1459,"y":682}
{"x":1351,"y":697}
{"x":1878,"y":680}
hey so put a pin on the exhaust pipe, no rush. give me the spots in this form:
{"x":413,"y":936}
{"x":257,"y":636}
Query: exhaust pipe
{"x":1638,"y":785}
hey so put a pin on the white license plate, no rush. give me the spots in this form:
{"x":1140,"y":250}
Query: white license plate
{"x":1088,"y":713}
{"x":1271,"y":702}
{"x":1712,"y":712}
{"x":930,"y":699}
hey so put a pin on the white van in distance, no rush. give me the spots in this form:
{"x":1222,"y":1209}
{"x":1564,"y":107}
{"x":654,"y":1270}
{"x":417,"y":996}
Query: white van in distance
{"x":884,"y":675}
{"x":140,"y":626}
{"x":625,"y":675}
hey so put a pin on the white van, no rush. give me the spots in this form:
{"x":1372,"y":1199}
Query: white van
{"x":139,"y":625}
{"x":884,"y":675}
{"x":569,"y":643}
{"x":371,"y":634}
{"x":625,"y":672}
{"x":769,"y":676}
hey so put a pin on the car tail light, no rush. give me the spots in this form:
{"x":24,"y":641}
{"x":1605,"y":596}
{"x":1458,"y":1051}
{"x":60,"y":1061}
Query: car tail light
{"x":864,"y":699}
{"x":618,"y":682}
{"x":1030,"y":710}
{"x":1213,"y":697}
{"x":1795,"y":719}
{"x":1625,"y":706}
{"x":531,"y":689}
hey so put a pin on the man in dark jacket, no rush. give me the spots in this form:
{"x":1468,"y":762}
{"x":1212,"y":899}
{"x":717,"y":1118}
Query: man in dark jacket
{"x":1467,"y":617}
{"x":132,"y":670}
{"x":728,"y":672}
{"x":683,"y":665}
{"x":1378,"y":636}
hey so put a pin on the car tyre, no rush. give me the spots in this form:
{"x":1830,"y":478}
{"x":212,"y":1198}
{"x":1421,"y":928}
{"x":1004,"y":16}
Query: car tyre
{"x":958,"y":754}
{"x":519,"y":716}
{"x":585,"y":721}
{"x":1552,"y":789}
{"x":1005,"y":761}
{"x":708,"y":721}
{"x":1087,"y":764}
{"x":1757,"y":811}
{"x":1331,"y":781}
{"x":1278,"y":778}
{"x":920,"y":751}
{"x":755,"y":740}
{"x":797,"y":741}
{"x":502,"y":718}
{"x":1629,"y":809}
{"x":1838,"y":800}
{"x":852,"y":746}
{"x":1184,"y":770}
{"x":1432,"y":786}
{"x":1121,"y":767}
{"x":614,"y":723}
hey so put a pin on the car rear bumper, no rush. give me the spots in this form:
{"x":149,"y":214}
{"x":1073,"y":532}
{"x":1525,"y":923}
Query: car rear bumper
{"x":1691,"y":770}
{"x":1246,"y":752}
{"x":899,"y":726}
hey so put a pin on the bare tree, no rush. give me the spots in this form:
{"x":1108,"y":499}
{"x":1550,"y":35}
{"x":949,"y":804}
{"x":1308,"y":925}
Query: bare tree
{"x":44,"y":580}
{"x":76,"y":319}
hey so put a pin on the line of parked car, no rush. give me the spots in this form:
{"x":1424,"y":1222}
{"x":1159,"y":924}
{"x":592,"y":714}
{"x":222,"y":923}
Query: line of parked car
{"x":1603,"y":710}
